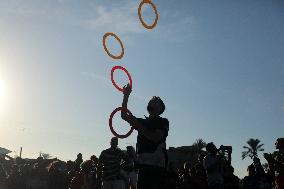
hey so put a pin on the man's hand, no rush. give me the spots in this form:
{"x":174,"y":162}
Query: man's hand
{"x":127,"y":90}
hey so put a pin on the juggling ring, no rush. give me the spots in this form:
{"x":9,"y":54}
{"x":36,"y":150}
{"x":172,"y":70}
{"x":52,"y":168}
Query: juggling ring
{"x":112,"y":77}
{"x":106,"y":49}
{"x":140,"y":15}
{"x":111,"y":127}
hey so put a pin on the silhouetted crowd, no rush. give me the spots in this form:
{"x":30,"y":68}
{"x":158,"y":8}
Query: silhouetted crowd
{"x":147,"y":166}
{"x":118,"y":169}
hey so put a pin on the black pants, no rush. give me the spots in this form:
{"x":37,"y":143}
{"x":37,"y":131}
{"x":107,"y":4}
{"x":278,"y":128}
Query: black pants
{"x":150,"y":177}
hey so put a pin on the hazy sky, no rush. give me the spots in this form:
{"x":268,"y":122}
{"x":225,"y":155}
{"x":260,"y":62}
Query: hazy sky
{"x":218,"y":66}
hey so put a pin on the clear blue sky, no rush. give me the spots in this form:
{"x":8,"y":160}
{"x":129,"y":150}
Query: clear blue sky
{"x":219,"y":66}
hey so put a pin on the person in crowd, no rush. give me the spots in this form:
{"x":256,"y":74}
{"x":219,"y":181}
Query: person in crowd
{"x":231,"y":181}
{"x":3,"y":173}
{"x":171,"y":177}
{"x":201,"y":176}
{"x":94,"y":171}
{"x":83,"y":179}
{"x":15,"y":179}
{"x":37,"y":177}
{"x":276,"y":163}
{"x":151,"y":142}
{"x":41,"y":172}
{"x":70,"y":169}
{"x":260,"y":174}
{"x":110,"y":162}
{"x":189,"y":179}
{"x":131,"y":173}
{"x":200,"y":171}
{"x":57,"y":176}
{"x":250,"y":181}
{"x":180,"y":173}
{"x":78,"y":162}
{"x":214,"y":167}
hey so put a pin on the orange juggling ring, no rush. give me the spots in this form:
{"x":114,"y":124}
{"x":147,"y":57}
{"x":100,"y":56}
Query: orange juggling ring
{"x":140,"y":15}
{"x":111,"y":127}
{"x":112,"y":77}
{"x":106,"y":49}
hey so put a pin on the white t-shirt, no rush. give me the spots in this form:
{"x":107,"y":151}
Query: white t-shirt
{"x":156,"y":159}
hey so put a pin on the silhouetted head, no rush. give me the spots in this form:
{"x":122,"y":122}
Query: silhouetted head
{"x":94,"y":159}
{"x":114,"y":142}
{"x":130,"y":150}
{"x":39,"y":159}
{"x":279,"y":144}
{"x":54,"y":166}
{"x":86,"y":166}
{"x":80,"y":156}
{"x":70,"y":165}
{"x":211,"y":148}
{"x":156,"y":106}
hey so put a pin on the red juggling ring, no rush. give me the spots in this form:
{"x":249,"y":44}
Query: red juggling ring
{"x":112,"y":77}
{"x":111,"y":127}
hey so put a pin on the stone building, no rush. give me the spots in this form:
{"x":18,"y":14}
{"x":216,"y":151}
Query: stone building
{"x":179,"y":155}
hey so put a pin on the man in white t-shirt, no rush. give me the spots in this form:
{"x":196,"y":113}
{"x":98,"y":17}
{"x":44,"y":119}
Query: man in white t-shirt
{"x":151,"y":142}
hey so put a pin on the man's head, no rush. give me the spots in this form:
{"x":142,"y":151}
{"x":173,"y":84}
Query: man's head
{"x":94,"y":159}
{"x":211,"y":148}
{"x":114,"y":142}
{"x":130,"y":150}
{"x":156,"y":106}
{"x":79,"y":156}
{"x":279,"y":144}
{"x":86,"y":166}
{"x":39,"y":159}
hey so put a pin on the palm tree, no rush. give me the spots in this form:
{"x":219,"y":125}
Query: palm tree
{"x":252,"y":149}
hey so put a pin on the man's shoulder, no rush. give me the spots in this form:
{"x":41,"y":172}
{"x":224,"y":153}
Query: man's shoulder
{"x":113,"y":151}
{"x":163,"y":123}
